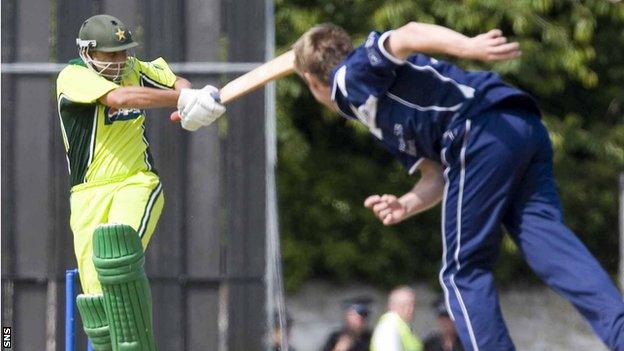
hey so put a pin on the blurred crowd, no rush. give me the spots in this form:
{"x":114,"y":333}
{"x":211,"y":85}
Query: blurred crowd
{"x":391,"y":332}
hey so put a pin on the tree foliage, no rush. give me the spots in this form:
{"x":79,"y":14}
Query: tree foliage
{"x":572,"y":62}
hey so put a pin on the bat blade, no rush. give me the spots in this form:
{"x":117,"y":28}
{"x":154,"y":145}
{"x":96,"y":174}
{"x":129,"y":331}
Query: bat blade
{"x":276,"y":68}
{"x":258,"y":77}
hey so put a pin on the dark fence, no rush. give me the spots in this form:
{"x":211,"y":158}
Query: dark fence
{"x":206,"y":260}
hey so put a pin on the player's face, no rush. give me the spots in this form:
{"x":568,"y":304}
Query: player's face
{"x":320,"y":91}
{"x":354,"y":321}
{"x":115,"y":56}
{"x":109,"y":64}
{"x":409,"y":310}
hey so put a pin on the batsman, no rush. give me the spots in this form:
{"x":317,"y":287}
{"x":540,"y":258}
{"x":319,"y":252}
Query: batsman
{"x":116,"y":195}
{"x":481,"y":149}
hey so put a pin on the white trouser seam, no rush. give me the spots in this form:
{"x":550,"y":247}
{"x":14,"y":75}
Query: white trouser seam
{"x":444,"y":264}
{"x":462,"y":178}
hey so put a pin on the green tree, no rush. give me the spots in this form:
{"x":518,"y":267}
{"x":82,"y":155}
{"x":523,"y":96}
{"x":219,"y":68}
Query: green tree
{"x":573,"y":62}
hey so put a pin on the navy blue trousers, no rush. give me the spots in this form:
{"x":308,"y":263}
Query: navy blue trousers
{"x":498,"y":171}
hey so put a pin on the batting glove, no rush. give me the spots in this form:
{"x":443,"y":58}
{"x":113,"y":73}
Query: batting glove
{"x":198,"y":107}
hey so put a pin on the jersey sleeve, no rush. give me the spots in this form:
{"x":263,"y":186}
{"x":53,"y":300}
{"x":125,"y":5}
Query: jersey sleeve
{"x":410,"y":162}
{"x":156,"y":74}
{"x":368,"y":71}
{"x":81,"y":85}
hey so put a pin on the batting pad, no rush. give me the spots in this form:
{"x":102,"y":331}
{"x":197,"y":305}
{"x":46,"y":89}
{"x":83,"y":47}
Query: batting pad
{"x":94,"y":321}
{"x":118,"y":259}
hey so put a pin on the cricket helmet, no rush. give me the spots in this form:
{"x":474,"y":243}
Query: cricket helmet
{"x":105,"y":33}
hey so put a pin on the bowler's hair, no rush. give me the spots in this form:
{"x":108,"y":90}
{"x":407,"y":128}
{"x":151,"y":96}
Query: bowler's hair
{"x":320,"y":49}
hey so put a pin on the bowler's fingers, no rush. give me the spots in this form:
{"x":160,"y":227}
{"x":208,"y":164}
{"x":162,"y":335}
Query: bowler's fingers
{"x":388,"y":198}
{"x":382,"y":207}
{"x":504,"y":52}
{"x":379,"y":207}
{"x":388,"y":219}
{"x":497,"y":41}
{"x":494,"y":33}
{"x":504,"y":48}
{"x":386,"y":211}
{"x":371,"y":201}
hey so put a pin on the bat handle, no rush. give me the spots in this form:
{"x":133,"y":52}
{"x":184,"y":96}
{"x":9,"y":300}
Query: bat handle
{"x":216,"y":96}
{"x":176,"y":117}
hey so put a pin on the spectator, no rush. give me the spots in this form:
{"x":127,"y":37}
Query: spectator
{"x":393,"y":332}
{"x":276,"y":336}
{"x":355,"y":334}
{"x":446,"y":338}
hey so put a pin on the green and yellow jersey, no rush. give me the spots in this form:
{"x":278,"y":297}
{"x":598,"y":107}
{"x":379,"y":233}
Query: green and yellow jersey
{"x":105,"y":144}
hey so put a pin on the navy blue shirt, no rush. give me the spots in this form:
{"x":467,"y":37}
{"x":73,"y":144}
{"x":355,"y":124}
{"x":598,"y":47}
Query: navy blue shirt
{"x":408,"y":105}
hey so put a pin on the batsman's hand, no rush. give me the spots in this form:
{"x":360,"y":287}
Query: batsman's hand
{"x":198,"y":107}
{"x":388,"y":208}
{"x":491,"y":46}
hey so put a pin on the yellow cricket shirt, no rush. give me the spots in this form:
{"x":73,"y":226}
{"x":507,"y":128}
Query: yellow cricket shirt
{"x":104,"y":143}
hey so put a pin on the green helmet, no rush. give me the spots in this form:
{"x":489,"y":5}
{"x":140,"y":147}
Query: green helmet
{"x":105,"y":33}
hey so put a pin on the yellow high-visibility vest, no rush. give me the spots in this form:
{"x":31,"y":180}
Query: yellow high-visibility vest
{"x":409,"y":341}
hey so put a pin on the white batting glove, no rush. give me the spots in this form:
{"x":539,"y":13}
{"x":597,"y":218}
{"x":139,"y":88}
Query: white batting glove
{"x":198,"y":107}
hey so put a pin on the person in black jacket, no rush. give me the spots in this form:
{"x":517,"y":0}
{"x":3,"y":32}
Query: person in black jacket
{"x":355,"y":334}
{"x":446,"y":338}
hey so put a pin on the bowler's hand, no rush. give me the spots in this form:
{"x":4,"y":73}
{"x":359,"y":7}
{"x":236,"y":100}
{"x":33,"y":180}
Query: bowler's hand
{"x":491,"y":46}
{"x":387,"y":208}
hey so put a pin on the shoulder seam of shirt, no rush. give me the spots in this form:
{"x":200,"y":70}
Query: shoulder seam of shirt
{"x":144,"y":75}
{"x":77,"y":62}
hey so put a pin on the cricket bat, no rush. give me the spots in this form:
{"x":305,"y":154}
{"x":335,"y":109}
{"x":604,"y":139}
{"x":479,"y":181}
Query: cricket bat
{"x":276,"y":68}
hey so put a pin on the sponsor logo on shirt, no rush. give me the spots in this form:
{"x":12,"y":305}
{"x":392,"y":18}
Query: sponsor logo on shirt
{"x":407,"y":146}
{"x":112,"y":114}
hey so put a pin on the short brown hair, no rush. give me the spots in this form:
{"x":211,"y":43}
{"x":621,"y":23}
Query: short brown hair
{"x":320,"y":49}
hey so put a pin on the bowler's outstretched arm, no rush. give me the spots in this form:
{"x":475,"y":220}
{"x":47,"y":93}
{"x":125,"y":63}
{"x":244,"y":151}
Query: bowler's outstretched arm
{"x":426,"y":38}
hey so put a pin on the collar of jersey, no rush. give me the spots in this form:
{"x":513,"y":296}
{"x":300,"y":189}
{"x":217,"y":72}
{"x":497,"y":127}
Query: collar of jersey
{"x":78,"y":62}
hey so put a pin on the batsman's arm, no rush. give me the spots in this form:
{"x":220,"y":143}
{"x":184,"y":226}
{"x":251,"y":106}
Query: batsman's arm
{"x":143,"y":97}
{"x":181,"y":83}
{"x":140,"y":97}
{"x":427,"y":38}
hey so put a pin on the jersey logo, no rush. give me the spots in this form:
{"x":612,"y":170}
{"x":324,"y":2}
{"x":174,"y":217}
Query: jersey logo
{"x":372,"y":54}
{"x":373,"y":57}
{"x":112,"y":114}
{"x":121,"y":34}
{"x":405,"y":145}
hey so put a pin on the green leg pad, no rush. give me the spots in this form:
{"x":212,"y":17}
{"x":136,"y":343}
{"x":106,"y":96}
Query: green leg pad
{"x":118,"y":259}
{"x":94,"y":321}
